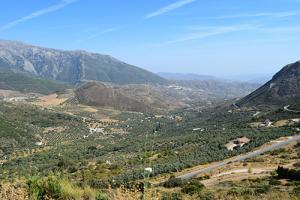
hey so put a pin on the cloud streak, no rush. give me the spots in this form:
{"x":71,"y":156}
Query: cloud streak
{"x":169,"y":8}
{"x":38,"y":13}
{"x":204,"y":32}
{"x":198,"y":33}
{"x":263,"y":14}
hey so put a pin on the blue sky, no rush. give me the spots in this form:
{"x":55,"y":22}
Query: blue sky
{"x":216,"y":37}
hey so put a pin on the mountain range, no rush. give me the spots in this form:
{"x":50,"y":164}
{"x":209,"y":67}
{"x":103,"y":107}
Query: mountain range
{"x":29,"y":68}
{"x":189,"y":76}
{"x":73,"y":67}
{"x":245,"y":78}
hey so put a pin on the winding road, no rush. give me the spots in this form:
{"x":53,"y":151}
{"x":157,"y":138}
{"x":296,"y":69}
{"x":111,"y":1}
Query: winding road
{"x":252,"y":154}
{"x":286,"y":108}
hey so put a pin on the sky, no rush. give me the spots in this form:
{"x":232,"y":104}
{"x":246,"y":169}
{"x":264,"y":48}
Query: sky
{"x":214,"y":37}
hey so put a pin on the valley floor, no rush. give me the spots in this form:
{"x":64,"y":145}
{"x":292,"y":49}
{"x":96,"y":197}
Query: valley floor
{"x":55,"y":149}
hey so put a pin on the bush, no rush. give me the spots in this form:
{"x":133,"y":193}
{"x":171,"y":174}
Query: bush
{"x":297,"y":164}
{"x":205,"y":177}
{"x":278,"y":151}
{"x":193,"y":187}
{"x":43,"y":188}
{"x":207,"y":196}
{"x":274,"y":181}
{"x":72,"y":169}
{"x":54,"y":188}
{"x":297,"y":190}
{"x":171,"y":196}
{"x":103,"y":184}
{"x":101,"y":197}
{"x":173,"y":182}
{"x":262,"y":190}
{"x":284,"y":173}
{"x":233,"y":192}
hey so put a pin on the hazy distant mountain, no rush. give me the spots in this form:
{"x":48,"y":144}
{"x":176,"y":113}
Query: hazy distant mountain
{"x":219,"y":88}
{"x":71,"y":66}
{"x":206,"y":86}
{"x":250,"y":78}
{"x":181,"y":76}
{"x":282,"y":89}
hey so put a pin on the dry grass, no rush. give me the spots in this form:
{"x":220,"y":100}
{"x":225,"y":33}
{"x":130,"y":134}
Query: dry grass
{"x":9,"y":191}
{"x":50,"y":100}
{"x":89,"y":109}
{"x":272,"y":195}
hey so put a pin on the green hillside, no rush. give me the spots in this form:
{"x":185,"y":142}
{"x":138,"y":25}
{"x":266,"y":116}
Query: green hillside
{"x":25,"y":83}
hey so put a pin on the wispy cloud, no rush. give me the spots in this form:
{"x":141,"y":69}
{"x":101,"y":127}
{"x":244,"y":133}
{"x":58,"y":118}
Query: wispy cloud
{"x":97,"y":34}
{"x":197,"y":33}
{"x":38,"y":13}
{"x":204,"y":32}
{"x":286,"y":30}
{"x":263,"y":14}
{"x":169,"y":8}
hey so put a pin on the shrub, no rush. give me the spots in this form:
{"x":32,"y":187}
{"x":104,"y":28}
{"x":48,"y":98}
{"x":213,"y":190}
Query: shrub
{"x":262,"y":190}
{"x":278,"y":151}
{"x":92,"y":148}
{"x":297,"y":145}
{"x":205,"y":177}
{"x":72,"y":169}
{"x":297,"y":190}
{"x":207,"y":196}
{"x":173,"y":182}
{"x":297,"y":164}
{"x":70,"y":192}
{"x":291,"y":174}
{"x":42,"y":188}
{"x":274,"y":181}
{"x":89,"y":193}
{"x":233,"y":192}
{"x":95,"y":183}
{"x":54,"y":188}
{"x":171,"y":196}
{"x":193,"y":187}
{"x":101,"y":197}
{"x":61,"y":163}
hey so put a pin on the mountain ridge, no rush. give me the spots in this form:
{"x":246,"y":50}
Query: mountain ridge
{"x":71,"y":66}
{"x":282,"y":89}
{"x":185,"y":76}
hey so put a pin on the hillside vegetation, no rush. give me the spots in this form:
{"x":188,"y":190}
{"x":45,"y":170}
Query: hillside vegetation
{"x":138,"y":98}
{"x":28,"y":84}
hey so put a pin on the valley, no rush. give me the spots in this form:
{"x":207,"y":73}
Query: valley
{"x":166,"y":139}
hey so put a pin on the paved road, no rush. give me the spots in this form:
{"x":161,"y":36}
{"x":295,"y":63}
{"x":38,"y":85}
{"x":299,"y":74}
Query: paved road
{"x":240,"y":158}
